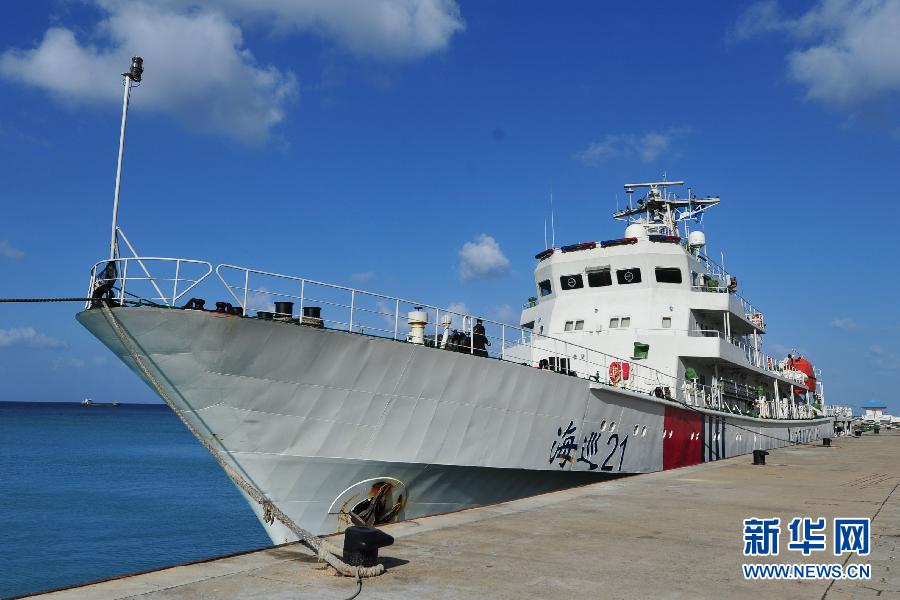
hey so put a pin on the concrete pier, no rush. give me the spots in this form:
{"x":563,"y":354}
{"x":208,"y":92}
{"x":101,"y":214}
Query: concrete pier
{"x":675,"y":534}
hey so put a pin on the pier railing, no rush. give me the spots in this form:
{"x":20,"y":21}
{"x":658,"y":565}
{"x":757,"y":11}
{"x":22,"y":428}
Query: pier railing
{"x":158,"y":279}
{"x":370,"y":313}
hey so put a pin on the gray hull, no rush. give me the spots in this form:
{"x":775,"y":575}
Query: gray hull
{"x":315,"y":417}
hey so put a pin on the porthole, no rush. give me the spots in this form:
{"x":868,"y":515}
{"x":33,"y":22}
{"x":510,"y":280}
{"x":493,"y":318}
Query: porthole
{"x":643,"y":431}
{"x":612,"y":426}
{"x":637,"y":428}
{"x":603,"y":425}
{"x":671,"y":431}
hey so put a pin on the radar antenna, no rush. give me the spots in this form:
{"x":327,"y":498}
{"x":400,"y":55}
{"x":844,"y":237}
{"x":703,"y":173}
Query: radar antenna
{"x":660,"y":211}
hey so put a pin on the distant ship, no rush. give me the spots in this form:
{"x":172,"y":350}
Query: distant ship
{"x":89,"y":402}
{"x":342,"y":406}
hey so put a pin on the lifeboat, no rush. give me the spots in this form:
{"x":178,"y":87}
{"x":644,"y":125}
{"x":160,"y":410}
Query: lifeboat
{"x":804,"y":366}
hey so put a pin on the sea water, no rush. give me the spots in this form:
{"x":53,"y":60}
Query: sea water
{"x":89,"y":492}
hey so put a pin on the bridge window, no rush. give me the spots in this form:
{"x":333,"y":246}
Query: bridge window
{"x":571,"y":282}
{"x":544,"y":288}
{"x":599,"y":277}
{"x":668,"y":274}
{"x":626,"y":276}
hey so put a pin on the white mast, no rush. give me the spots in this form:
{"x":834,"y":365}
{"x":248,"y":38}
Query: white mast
{"x":132,"y":76}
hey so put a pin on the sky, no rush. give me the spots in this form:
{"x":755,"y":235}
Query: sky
{"x":410,"y":147}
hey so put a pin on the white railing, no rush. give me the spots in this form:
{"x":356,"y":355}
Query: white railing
{"x":370,"y":313}
{"x":835,"y":410}
{"x":133,"y":279}
{"x":751,"y":313}
{"x":380,"y":315}
{"x":716,"y":397}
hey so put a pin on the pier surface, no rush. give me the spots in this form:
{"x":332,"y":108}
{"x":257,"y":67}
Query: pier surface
{"x":674,"y":534}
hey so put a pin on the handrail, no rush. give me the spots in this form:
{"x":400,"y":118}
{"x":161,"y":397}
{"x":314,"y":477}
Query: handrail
{"x":122,"y":278}
{"x":373,"y":313}
{"x":514,"y":344}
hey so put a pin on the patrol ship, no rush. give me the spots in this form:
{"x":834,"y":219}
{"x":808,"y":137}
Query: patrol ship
{"x":343,"y":406}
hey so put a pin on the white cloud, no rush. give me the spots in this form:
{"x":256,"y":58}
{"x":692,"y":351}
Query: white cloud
{"x":197,"y":69}
{"x":846,"y":54}
{"x":845,"y":324}
{"x":27,"y":337}
{"x":646,"y":146}
{"x":366,"y":276}
{"x":395,"y":30}
{"x":482,"y":259}
{"x":506,"y":314}
{"x":7,"y":250}
{"x":883,"y":359}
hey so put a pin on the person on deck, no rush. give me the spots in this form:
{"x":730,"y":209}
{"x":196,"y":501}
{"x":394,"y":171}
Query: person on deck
{"x":479,"y":339}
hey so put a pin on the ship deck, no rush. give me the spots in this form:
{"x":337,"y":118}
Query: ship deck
{"x":669,"y":534}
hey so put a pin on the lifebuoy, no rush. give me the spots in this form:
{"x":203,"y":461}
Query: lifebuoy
{"x":615,"y":372}
{"x":618,"y":371}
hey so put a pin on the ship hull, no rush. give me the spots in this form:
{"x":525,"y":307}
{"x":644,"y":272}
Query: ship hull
{"x":318,"y":419}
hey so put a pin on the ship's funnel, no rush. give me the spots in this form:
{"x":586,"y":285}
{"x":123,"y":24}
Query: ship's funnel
{"x":417,"y":320}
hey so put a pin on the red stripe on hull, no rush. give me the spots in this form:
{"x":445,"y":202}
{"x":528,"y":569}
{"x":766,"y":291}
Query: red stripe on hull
{"x":682,"y":445}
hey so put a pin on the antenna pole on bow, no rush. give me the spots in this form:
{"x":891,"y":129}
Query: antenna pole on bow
{"x":133,"y":75}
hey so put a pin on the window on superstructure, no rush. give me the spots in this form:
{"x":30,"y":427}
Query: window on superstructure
{"x":668,"y":274}
{"x":626,"y":276}
{"x":569,"y":325}
{"x":614,"y":323}
{"x":625,"y":323}
{"x":571,"y":282}
{"x":667,"y":322}
{"x":579,"y":325}
{"x":599,"y":277}
{"x":544,"y":288}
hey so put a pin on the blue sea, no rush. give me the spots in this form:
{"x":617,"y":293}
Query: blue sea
{"x":93,"y":492}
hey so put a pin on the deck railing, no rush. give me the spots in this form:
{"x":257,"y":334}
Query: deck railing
{"x":371,"y":313}
{"x":133,"y":278}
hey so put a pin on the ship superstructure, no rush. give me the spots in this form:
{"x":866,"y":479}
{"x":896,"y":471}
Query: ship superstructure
{"x":655,"y":297}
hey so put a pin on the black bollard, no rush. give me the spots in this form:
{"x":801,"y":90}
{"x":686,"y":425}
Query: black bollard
{"x":361,"y":545}
{"x":826,"y":442}
{"x":759,"y":457}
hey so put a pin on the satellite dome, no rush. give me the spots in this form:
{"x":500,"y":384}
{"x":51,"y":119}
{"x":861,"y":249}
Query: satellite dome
{"x":635,"y":230}
{"x":696,"y":239}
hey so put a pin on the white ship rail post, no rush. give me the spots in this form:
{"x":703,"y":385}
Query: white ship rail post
{"x":370,"y":313}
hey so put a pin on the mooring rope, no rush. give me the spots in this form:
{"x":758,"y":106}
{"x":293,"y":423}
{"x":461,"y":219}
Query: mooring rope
{"x":26,"y":300}
{"x":324,"y":550}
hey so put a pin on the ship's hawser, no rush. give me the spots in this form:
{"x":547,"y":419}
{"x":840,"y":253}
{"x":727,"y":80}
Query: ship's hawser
{"x":634,"y":355}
